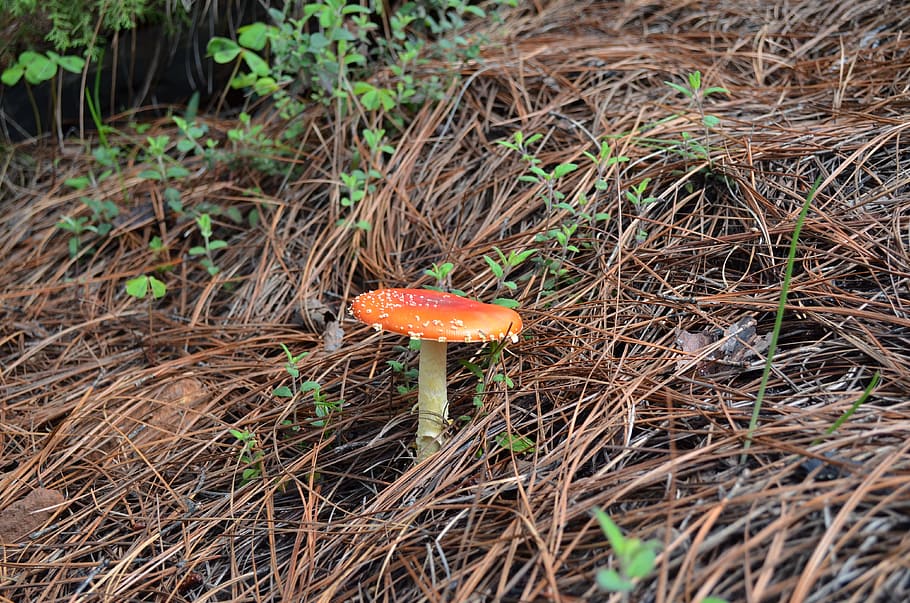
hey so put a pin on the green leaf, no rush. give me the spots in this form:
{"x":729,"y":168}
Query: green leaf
{"x":175,"y":172}
{"x":642,"y":562}
{"x":715,"y":90}
{"x":283,"y":392}
{"x":561,"y":170}
{"x":680,"y":88}
{"x":609,"y":580}
{"x":217,"y":244}
{"x":611,"y":531}
{"x":12,"y":75}
{"x":73,"y":64}
{"x":253,"y":36}
{"x":495,"y":268}
{"x":517,"y":444}
{"x":244,"y":80}
{"x":138,"y":287}
{"x":185,"y":145}
{"x":204,"y":221}
{"x":159,"y":289}
{"x":256,"y":64}
{"x":78,"y":183}
{"x":38,"y":68}
{"x":711,"y":121}
{"x":506,"y":302}
{"x":150,"y":174}
{"x":222,"y":50}
{"x":197,"y":250}
{"x":265,"y":86}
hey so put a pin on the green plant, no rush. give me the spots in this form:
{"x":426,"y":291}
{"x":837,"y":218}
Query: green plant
{"x":546,"y":179}
{"x":103,"y":212}
{"x":697,"y":95}
{"x":634,"y":558}
{"x":636,"y":195}
{"x":517,"y":444}
{"x":357,"y":186}
{"x":76,"y":23}
{"x":36,"y":68}
{"x":778,"y":318}
{"x":290,"y":366}
{"x":141,"y":286}
{"x":408,"y":374}
{"x":317,"y":59}
{"x":323,"y":406}
{"x":204,"y":222}
{"x":873,"y":383}
{"x":165,"y":167}
{"x":693,"y":90}
{"x":604,"y":161}
{"x":502,"y":266}
{"x":442,"y":274}
{"x":250,"y":455}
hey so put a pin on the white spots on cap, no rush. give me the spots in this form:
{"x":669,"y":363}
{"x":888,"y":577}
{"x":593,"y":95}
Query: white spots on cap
{"x":433,"y":315}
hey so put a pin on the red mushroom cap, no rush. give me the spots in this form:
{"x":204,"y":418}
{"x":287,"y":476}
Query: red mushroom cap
{"x":425,"y":314}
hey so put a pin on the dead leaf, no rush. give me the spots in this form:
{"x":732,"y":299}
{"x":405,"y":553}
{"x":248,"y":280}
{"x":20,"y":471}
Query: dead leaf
{"x":692,"y":344}
{"x":28,"y":514}
{"x":332,"y":336}
{"x":315,"y":313}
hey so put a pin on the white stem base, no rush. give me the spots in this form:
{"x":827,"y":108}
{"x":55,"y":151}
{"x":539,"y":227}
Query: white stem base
{"x":432,"y":403}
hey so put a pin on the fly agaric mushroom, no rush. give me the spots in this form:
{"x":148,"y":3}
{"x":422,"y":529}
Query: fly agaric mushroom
{"x":435,"y":318}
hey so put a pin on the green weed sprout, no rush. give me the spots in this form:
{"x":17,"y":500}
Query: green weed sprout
{"x":501,"y":266}
{"x":290,"y":366}
{"x":141,"y":286}
{"x":37,"y":68}
{"x":204,"y":222}
{"x":146,"y":286}
{"x":103,"y":212}
{"x":551,"y":195}
{"x":250,"y":455}
{"x":324,"y":407}
{"x":636,"y":559}
{"x":693,"y":90}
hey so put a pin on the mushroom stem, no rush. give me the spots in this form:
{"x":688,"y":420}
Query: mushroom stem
{"x":432,"y":405}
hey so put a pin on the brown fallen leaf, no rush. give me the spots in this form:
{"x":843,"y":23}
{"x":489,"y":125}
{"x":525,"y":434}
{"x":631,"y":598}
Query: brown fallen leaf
{"x":332,"y":336}
{"x":28,"y":514}
{"x":734,"y":345}
{"x":692,"y":344}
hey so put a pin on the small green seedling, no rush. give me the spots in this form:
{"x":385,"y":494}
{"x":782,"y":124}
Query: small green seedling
{"x":250,"y":455}
{"x":204,"y":222}
{"x":517,"y":444}
{"x":408,"y":374}
{"x":442,"y":273}
{"x":324,"y":407}
{"x":37,"y":68}
{"x":503,"y":264}
{"x":141,"y":286}
{"x":100,"y":223}
{"x":165,"y":167}
{"x":694,"y":92}
{"x":291,"y":367}
{"x":636,"y":559}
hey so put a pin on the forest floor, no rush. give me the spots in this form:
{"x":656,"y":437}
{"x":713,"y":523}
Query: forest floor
{"x":162,"y":450}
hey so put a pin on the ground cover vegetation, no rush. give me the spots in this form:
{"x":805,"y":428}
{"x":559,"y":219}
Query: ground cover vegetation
{"x":700,"y":211}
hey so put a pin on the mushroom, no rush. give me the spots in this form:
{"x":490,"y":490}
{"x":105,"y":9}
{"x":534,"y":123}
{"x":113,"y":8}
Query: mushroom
{"x":435,"y":318}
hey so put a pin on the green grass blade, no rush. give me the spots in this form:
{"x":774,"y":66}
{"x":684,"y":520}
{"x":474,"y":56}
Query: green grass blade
{"x":779,"y":319}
